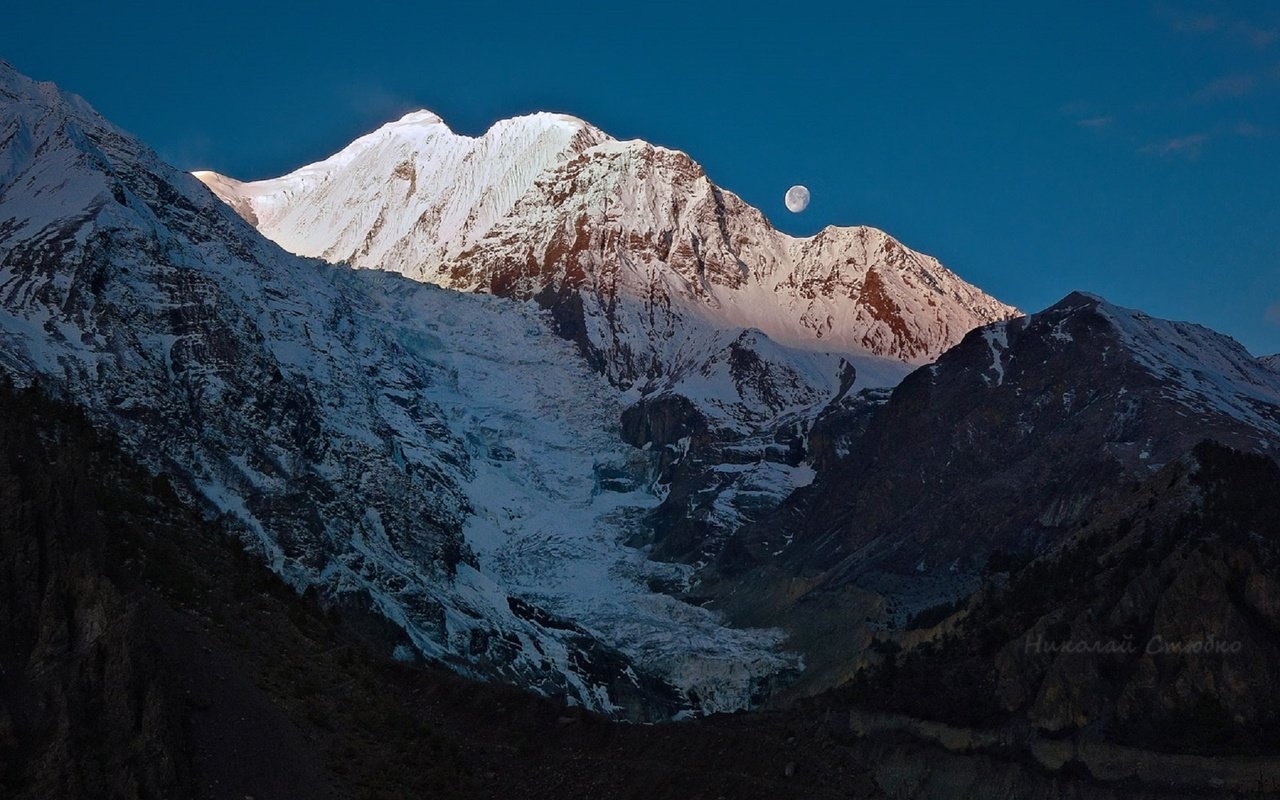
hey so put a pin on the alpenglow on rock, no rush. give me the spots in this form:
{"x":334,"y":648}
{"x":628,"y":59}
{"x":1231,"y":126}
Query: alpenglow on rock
{"x":634,"y":248}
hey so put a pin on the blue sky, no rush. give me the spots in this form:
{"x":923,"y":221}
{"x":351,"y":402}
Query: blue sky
{"x":1129,"y":149}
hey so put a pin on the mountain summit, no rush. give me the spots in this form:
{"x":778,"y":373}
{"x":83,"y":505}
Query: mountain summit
{"x":631,"y":245}
{"x":411,"y":191}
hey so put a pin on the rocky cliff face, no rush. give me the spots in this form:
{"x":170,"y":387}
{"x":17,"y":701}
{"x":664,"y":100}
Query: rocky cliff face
{"x":84,"y":709}
{"x":658,"y":254}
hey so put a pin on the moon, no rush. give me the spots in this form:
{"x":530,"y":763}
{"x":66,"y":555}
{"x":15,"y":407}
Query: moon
{"x":797,"y":199}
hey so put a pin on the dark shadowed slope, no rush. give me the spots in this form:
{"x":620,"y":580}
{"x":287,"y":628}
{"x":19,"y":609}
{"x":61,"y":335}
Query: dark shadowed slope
{"x":1015,"y":434}
{"x":1156,"y":625}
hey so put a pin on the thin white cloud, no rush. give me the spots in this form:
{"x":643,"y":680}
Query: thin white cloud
{"x":1075,"y":108}
{"x":1258,"y":34}
{"x":1226,"y":87}
{"x":1248,"y":130}
{"x":1192,"y":23}
{"x":374,"y":103}
{"x":1188,"y":147}
{"x":193,"y":151}
{"x":1095,"y":122}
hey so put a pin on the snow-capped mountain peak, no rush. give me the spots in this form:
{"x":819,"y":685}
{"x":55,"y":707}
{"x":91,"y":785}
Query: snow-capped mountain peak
{"x":420,"y":117}
{"x":546,"y":206}
{"x":412,"y":189}
{"x":1207,"y":371}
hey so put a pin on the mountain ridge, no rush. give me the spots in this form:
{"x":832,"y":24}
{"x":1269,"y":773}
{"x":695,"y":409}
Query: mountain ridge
{"x":1001,"y":449}
{"x":608,"y":224}
{"x":1087,"y":359}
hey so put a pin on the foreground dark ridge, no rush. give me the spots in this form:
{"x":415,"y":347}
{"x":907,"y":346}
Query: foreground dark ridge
{"x":146,"y":655}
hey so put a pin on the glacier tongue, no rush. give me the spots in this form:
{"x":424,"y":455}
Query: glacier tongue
{"x":728,"y":336}
{"x":554,"y":493}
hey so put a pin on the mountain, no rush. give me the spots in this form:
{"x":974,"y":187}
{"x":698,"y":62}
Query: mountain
{"x":729,"y":336}
{"x":410,"y":190}
{"x":368,"y":436}
{"x":669,"y":527}
{"x":1271,"y":362}
{"x":105,"y":661}
{"x":1012,"y":436}
{"x":643,"y":261}
{"x":1003,"y":448}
